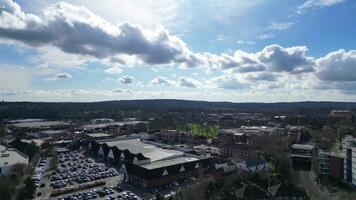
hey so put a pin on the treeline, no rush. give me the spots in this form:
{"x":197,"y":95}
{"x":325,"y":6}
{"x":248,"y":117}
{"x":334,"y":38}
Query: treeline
{"x":119,"y":109}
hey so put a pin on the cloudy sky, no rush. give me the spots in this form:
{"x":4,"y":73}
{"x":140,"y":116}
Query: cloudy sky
{"x":216,"y":50}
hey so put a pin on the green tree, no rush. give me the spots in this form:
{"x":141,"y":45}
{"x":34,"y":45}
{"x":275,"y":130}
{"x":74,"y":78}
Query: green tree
{"x":29,"y":187}
{"x":210,"y":190}
{"x":3,"y":132}
{"x":5,"y":192}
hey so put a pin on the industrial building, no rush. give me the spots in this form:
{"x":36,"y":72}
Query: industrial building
{"x":148,"y":163}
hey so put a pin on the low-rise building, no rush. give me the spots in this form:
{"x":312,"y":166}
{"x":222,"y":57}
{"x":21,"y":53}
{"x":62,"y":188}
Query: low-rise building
{"x":341,"y":114}
{"x":240,"y":151}
{"x":149,"y":163}
{"x":302,"y":156}
{"x":98,"y":136}
{"x":332,"y":163}
{"x":340,"y":162}
{"x":174,"y":136}
{"x":10,"y":157}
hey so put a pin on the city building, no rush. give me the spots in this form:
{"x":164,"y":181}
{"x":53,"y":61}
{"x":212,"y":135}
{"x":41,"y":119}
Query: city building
{"x":302,"y":156}
{"x":341,"y":114}
{"x":149,"y":163}
{"x":174,"y":136}
{"x":252,"y":165}
{"x":340,"y":162}
{"x":10,"y":157}
{"x":102,"y":121}
{"x":240,"y":151}
{"x":98,"y":136}
{"x":332,"y":163}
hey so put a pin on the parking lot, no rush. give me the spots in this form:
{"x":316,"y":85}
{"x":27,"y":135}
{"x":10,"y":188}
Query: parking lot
{"x":77,"y":177}
{"x":74,"y":174}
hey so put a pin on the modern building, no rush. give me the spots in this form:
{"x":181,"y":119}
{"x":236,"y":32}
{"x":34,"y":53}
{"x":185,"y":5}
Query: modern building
{"x":10,"y":157}
{"x":149,"y":163}
{"x":332,"y":163}
{"x":340,"y":162}
{"x":302,"y":156}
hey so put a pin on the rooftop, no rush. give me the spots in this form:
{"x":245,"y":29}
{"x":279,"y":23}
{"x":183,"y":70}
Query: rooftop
{"x":39,"y":124}
{"x":11,"y":157}
{"x":94,"y":135}
{"x":169,"y":162}
{"x":241,"y":146}
{"x":151,"y":150}
{"x":303,"y":146}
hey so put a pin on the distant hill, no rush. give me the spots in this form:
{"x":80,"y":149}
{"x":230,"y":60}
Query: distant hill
{"x":10,"y":110}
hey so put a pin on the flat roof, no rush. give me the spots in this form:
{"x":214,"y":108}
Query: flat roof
{"x":39,"y":124}
{"x":118,"y":123}
{"x":149,"y":150}
{"x":98,"y":135}
{"x":165,"y":163}
{"x":12,"y":157}
{"x":303,"y":146}
{"x":25,"y":120}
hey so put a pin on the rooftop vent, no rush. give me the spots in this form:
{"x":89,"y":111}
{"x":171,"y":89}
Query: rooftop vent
{"x":5,"y":155}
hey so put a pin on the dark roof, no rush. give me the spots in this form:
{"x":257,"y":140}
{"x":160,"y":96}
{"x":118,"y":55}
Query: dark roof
{"x":106,"y":149}
{"x":116,"y":152}
{"x":240,"y":146}
{"x":157,"y":172}
{"x":95,"y":147}
{"x":140,"y":156}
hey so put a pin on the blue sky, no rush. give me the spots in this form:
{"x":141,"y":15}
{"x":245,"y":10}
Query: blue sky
{"x":216,"y":50}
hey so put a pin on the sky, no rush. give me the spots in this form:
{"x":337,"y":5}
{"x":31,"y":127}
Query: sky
{"x":214,"y":50}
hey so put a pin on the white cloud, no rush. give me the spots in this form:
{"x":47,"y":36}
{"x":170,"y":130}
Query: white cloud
{"x":308,"y":4}
{"x":339,"y":65}
{"x":266,"y":36}
{"x":118,"y":90}
{"x":126,"y":80}
{"x":292,"y":59}
{"x":247,"y":42}
{"x":229,"y":82}
{"x":114,"y":70}
{"x":160,"y":80}
{"x":63,"y":75}
{"x":272,"y":58}
{"x":220,"y":38}
{"x":280,"y":26}
{"x":76,"y":30}
{"x":59,"y":76}
{"x":188,"y":82}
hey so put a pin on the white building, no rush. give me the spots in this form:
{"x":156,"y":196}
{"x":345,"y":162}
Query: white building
{"x":10,"y":157}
